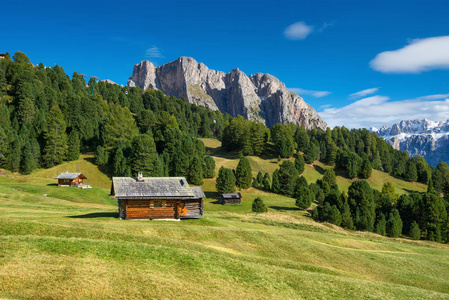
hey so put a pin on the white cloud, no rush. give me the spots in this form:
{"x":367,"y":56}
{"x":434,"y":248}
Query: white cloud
{"x":153,"y":52}
{"x":316,"y":94}
{"x":363,"y":93}
{"x":298,"y":31}
{"x":419,"y":56}
{"x":377,"y":111}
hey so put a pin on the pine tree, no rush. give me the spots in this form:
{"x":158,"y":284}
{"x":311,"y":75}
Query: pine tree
{"x":143,"y":154}
{"x":411,"y":174}
{"x":287,"y":177}
{"x":209,"y":167}
{"x":299,"y":163}
{"x":267,"y":182}
{"x":259,"y":179}
{"x":304,"y":198}
{"x":394,"y":224}
{"x":196,"y":171}
{"x":73,"y":143}
{"x":225,"y":181}
{"x":415,"y":232}
{"x":243,"y":173}
{"x":258,"y":206}
{"x":120,"y":164}
{"x":366,"y":169}
{"x":55,"y":138}
{"x":28,"y":161}
{"x":346,"y":218}
{"x":381,"y":226}
{"x":101,"y":156}
{"x":276,"y":185}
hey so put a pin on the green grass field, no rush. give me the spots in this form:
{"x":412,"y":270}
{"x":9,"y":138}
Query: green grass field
{"x":68,"y":243}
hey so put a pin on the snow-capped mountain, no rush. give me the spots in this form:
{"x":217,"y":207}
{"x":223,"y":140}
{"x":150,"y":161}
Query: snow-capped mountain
{"x":426,"y":138}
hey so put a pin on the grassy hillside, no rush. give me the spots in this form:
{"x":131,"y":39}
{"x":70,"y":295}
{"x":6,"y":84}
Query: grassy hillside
{"x":70,"y":245}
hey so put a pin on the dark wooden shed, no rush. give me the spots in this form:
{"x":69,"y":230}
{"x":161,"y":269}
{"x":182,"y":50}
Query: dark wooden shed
{"x":70,"y":179}
{"x":230,"y":198}
{"x":151,"y":198}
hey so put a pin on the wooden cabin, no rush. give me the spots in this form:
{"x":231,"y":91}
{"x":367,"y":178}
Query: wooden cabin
{"x":230,"y":198}
{"x":149,"y":198}
{"x":70,"y":179}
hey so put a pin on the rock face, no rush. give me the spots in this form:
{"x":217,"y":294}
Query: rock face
{"x":259,"y":97}
{"x":419,"y":137}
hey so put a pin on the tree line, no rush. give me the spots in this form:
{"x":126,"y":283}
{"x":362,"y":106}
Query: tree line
{"x":47,"y":118}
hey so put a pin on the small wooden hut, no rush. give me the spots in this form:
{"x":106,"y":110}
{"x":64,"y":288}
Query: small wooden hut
{"x":151,"y":198}
{"x":70,"y":179}
{"x":230,"y":198}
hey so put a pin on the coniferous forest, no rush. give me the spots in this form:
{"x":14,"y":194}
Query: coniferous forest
{"x":46,"y":118}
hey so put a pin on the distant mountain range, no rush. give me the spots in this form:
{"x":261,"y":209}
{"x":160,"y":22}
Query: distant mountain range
{"x":419,"y":137}
{"x":259,"y":97}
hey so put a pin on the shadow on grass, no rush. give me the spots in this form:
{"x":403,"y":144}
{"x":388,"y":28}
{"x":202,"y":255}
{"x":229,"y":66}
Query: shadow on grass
{"x":318,"y":169}
{"x":103,"y":169}
{"x":52,"y":184}
{"x":96,"y":215}
{"x":212,"y":195}
{"x":280,"y":208}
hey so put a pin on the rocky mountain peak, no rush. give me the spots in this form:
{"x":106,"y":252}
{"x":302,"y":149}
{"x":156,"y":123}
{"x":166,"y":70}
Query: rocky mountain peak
{"x":425,"y":138}
{"x":260,"y":97}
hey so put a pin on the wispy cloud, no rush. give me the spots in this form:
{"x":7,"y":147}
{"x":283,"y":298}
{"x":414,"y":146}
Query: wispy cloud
{"x":363,"y":93}
{"x":379,"y":110}
{"x":316,"y":94}
{"x":298,"y":31}
{"x":419,"y":56}
{"x":153,"y":52}
{"x":326,"y":25}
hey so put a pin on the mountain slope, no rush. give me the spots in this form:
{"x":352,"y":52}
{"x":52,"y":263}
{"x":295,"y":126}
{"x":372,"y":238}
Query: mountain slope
{"x":259,"y":97}
{"x":419,"y":137}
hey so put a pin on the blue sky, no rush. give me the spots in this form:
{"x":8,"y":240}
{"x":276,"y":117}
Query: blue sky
{"x":397,"y":52}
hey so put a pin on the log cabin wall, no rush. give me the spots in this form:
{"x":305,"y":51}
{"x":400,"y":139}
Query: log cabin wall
{"x":194,"y":208}
{"x":149,"y":209}
{"x":232,"y":201}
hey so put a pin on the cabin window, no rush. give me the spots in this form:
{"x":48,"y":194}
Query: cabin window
{"x":66,"y":180}
{"x":157,"y":204}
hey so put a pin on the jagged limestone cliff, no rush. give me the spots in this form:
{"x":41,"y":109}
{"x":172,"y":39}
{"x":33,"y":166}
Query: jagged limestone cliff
{"x":260,"y":97}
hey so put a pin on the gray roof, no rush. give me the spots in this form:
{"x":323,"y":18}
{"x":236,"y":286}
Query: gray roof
{"x":232,"y":196}
{"x":198,"y":192}
{"x":68,"y":175}
{"x":151,"y":188}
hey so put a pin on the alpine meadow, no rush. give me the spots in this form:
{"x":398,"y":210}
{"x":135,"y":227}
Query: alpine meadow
{"x":324,"y":212}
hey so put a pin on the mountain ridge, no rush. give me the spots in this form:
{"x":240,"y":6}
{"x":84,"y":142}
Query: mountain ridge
{"x":260,"y":97}
{"x":425,"y":138}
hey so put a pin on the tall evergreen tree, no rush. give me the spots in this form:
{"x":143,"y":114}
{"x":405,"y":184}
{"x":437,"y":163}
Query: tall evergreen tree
{"x":415,"y":232}
{"x":276,"y":184}
{"x":196,"y":171}
{"x":73,"y":146}
{"x":304,"y":198}
{"x":55,"y":138}
{"x":225,"y":181}
{"x":287,"y":177}
{"x":411,"y":174}
{"x":101,"y":156}
{"x":266,"y":182}
{"x":209,"y":167}
{"x":143,"y":155}
{"x":120,"y":164}
{"x":299,"y":163}
{"x":243,"y":173}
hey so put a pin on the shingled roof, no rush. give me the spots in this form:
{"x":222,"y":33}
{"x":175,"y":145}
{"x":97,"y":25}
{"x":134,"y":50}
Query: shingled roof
{"x":152,"y":188}
{"x":68,"y":175}
{"x":232,"y":196}
{"x":198,"y":192}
